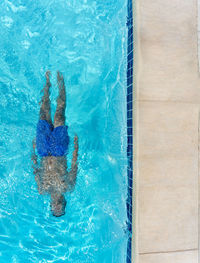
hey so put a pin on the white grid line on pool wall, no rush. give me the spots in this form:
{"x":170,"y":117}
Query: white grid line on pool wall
{"x":129,"y":128}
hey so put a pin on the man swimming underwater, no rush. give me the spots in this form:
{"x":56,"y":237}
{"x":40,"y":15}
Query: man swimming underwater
{"x":52,"y":143}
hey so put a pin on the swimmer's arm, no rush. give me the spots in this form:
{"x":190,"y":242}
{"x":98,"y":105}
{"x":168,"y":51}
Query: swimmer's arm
{"x":74,"y":166}
{"x":34,"y":157}
{"x":36,"y":169}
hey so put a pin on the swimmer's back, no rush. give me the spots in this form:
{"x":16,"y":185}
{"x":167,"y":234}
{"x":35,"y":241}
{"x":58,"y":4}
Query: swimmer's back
{"x":54,"y":173}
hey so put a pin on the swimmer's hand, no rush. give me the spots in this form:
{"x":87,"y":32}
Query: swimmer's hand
{"x":34,"y":144}
{"x":75,"y":153}
{"x":76,"y":143}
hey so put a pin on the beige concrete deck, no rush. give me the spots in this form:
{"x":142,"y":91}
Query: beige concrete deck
{"x":168,"y":100}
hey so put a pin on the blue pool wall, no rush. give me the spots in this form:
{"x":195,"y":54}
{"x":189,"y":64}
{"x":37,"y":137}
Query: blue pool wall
{"x":130,"y":129}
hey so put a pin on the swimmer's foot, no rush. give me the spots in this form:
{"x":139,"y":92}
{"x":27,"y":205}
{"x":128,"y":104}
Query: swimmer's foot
{"x":61,"y":86}
{"x":47,"y":75}
{"x":59,"y":76}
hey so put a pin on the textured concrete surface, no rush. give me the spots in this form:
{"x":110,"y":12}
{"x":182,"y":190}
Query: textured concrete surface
{"x":168,"y":95}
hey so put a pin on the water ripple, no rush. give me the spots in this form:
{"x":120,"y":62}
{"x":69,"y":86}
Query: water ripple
{"x":86,"y":40}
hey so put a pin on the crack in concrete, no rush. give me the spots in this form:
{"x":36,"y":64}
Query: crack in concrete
{"x":173,"y":251}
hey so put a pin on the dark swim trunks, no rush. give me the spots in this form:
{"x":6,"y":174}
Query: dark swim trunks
{"x":51,"y":141}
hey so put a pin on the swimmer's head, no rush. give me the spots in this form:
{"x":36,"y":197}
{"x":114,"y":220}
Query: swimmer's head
{"x":58,"y":204}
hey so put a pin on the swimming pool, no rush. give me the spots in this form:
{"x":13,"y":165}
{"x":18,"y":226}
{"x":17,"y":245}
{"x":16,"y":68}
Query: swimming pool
{"x":86,"y":40}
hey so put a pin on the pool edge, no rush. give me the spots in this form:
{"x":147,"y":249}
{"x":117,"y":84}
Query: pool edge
{"x":132,"y":244}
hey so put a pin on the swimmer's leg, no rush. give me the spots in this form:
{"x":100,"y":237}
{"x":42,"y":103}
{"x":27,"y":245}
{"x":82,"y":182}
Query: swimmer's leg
{"x":59,"y":118}
{"x":45,"y":109}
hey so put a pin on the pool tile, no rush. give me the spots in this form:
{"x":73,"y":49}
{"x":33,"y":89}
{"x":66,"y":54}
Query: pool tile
{"x":168,"y":59}
{"x":168,"y":185}
{"x":168,"y":217}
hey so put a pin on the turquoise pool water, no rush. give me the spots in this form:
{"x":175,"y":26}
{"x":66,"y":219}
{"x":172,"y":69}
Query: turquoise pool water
{"x":86,"y":40}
